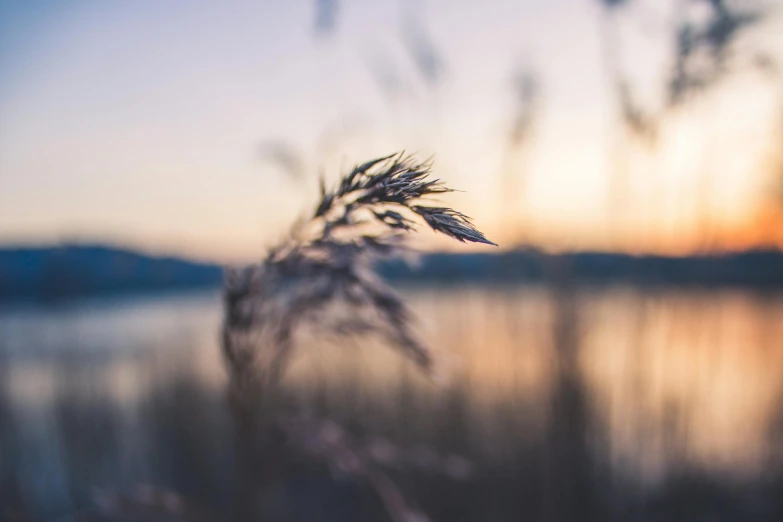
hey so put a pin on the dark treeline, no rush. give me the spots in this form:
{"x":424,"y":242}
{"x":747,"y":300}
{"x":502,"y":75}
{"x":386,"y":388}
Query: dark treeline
{"x":44,"y":273}
{"x":759,"y":268}
{"x":69,"y":271}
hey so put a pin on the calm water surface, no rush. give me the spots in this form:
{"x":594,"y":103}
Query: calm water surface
{"x":606,"y":391}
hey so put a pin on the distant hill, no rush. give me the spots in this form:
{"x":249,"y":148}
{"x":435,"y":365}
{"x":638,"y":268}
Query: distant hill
{"x":758,"y":268}
{"x":45,"y":273}
{"x":59,"y":272}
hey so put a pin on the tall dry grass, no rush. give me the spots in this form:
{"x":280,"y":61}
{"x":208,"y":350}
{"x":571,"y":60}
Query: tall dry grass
{"x":320,"y":283}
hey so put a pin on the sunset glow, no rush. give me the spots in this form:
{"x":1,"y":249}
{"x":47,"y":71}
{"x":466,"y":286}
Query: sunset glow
{"x":143,"y":124}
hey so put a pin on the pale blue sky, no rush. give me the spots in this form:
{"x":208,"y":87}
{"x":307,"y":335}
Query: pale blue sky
{"x":140,"y":122}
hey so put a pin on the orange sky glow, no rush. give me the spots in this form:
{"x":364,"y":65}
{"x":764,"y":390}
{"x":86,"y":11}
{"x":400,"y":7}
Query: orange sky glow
{"x":144,"y":124}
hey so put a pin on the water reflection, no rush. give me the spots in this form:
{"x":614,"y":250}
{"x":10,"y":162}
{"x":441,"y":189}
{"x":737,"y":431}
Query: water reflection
{"x":563,"y":397}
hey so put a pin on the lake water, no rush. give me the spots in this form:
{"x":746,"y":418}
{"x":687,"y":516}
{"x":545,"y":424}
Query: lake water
{"x":598,"y":404}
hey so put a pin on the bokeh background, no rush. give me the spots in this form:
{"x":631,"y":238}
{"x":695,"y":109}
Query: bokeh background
{"x":620,"y":354}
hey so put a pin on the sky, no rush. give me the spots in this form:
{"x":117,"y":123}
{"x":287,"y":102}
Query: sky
{"x":199,"y":128}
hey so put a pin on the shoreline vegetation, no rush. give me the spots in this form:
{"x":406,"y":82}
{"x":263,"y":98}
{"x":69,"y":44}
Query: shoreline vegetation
{"x":42,"y":273}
